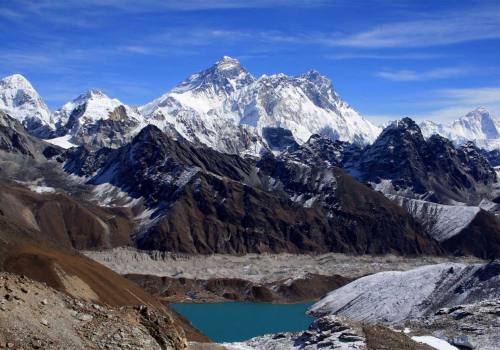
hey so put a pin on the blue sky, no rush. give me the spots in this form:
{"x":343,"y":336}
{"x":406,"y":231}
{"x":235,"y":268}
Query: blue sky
{"x":388,"y":59}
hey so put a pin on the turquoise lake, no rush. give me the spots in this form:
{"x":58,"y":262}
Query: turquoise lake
{"x":229,"y":322}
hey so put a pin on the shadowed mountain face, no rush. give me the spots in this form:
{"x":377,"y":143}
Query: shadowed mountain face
{"x":190,"y":198}
{"x":15,"y":139}
{"x":432,"y":169}
{"x":205,"y":201}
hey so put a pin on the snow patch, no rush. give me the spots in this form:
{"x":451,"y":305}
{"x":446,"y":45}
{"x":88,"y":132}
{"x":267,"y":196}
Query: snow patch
{"x":434,"y":342}
{"x":42,"y":189}
{"x":63,"y":142}
{"x":442,"y":221}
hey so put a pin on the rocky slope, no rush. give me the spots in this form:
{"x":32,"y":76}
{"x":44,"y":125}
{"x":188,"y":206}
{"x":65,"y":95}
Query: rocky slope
{"x":35,"y":316}
{"x":465,"y":326}
{"x":35,"y":254}
{"x":289,"y":290}
{"x":63,"y":220}
{"x":15,"y":139}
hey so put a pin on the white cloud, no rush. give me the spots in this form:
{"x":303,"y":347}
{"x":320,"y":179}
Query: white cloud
{"x":411,"y":75}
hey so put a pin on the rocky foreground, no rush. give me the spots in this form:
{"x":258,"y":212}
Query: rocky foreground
{"x":35,"y":316}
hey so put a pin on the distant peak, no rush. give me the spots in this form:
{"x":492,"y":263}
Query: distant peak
{"x":92,"y":93}
{"x":312,"y":73}
{"x":405,"y":123}
{"x":315,"y":77}
{"x":479,"y":110}
{"x":227,"y":62}
{"x":16,"y":76}
{"x":17,"y":80}
{"x":95,"y":92}
{"x":227,"y":59}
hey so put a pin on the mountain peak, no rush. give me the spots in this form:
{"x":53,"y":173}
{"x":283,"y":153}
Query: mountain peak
{"x":91,"y":93}
{"x":312,"y":74}
{"x":150,"y":133}
{"x":406,"y":124}
{"x":479,"y":112}
{"x":225,"y":76}
{"x":227,"y":62}
{"x":18,"y":81}
{"x":20,"y":100}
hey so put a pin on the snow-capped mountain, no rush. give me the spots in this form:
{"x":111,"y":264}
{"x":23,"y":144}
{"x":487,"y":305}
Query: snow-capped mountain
{"x":227,"y":97}
{"x":96,"y":119}
{"x":21,"y":101}
{"x":305,"y":105}
{"x":478,"y":125}
{"x":223,"y":107}
{"x":201,"y":109}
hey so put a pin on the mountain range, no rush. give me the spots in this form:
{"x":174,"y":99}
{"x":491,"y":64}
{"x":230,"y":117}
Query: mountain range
{"x":224,"y":107}
{"x":229,"y":163}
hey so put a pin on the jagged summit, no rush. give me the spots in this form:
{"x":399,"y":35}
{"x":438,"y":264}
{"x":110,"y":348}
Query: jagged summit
{"x":94,"y":93}
{"x":406,"y":124}
{"x":223,"y":78}
{"x":149,"y":133}
{"x":227,"y":62}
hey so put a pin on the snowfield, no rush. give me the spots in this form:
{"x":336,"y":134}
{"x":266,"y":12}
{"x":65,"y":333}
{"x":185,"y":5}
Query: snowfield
{"x":393,"y":297}
{"x":441,"y":221}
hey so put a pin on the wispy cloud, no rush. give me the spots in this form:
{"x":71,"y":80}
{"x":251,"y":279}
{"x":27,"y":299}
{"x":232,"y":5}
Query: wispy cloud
{"x":411,"y":75}
{"x":438,"y":29}
{"x":147,"y":6}
{"x":474,"y":96}
{"x":445,"y":105}
{"x":379,"y":56}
